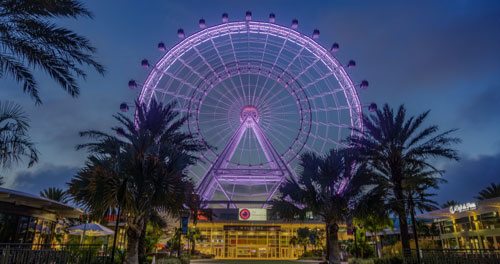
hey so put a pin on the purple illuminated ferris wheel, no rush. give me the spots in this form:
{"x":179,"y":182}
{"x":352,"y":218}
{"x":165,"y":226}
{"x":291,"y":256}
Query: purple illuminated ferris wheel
{"x":259,"y":94}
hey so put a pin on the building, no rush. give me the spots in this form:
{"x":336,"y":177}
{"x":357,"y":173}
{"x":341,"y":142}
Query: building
{"x":27,"y":218}
{"x":473,"y":225}
{"x":247,"y":233}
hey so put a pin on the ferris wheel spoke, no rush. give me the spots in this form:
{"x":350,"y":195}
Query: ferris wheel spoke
{"x":223,"y":63}
{"x":301,"y":96}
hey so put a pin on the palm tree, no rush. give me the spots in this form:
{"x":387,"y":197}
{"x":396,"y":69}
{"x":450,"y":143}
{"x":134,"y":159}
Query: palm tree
{"x":330,"y":187}
{"x":193,"y":235}
{"x":489,"y":192}
{"x":55,"y":194}
{"x":15,"y":144}
{"x":390,"y":142}
{"x":30,"y":40}
{"x":142,"y":170}
{"x":449,"y":203}
{"x":375,"y":224}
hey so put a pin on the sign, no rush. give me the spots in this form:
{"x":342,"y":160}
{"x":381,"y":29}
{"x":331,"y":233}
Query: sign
{"x":251,"y":228}
{"x":184,"y":225}
{"x":252,"y":214}
{"x":462,"y":207}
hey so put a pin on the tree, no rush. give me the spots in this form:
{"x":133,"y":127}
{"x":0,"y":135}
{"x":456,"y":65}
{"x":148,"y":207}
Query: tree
{"x":390,"y":142}
{"x":15,"y":144}
{"x":330,"y":187}
{"x":375,"y":223}
{"x":193,"y":235}
{"x":449,"y":203}
{"x":303,"y":237}
{"x":489,"y":192}
{"x":29,"y":40}
{"x":55,"y":194}
{"x":142,"y":170}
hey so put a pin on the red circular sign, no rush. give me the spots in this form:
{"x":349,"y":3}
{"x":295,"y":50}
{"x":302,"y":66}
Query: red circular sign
{"x":244,"y":214}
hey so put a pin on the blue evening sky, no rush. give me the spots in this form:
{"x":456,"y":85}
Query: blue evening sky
{"x":438,"y":55}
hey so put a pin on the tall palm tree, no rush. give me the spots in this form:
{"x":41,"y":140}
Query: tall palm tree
{"x":489,"y":192}
{"x":330,"y":187}
{"x":55,"y":194}
{"x":15,"y":144}
{"x":391,"y":142}
{"x":142,"y":170}
{"x":30,"y":40}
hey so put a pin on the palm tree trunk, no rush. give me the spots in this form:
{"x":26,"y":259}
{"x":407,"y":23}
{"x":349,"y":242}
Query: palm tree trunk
{"x":193,"y":246}
{"x":327,"y":242}
{"x":333,"y":243}
{"x":400,"y":210}
{"x":134,"y":231}
{"x":131,"y":256}
{"x":141,"y":246}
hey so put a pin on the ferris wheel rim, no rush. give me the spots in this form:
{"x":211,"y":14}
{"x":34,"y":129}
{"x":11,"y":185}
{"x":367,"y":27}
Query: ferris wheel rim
{"x":342,"y":77}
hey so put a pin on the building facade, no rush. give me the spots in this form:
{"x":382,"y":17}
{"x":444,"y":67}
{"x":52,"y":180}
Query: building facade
{"x":27,"y":218}
{"x":471,"y":226}
{"x":234,"y":235}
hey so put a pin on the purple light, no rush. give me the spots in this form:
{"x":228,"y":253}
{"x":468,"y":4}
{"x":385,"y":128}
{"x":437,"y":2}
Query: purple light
{"x":180,"y":33}
{"x":248,"y":16}
{"x":225,"y":18}
{"x":335,"y":47}
{"x":272,"y":18}
{"x":351,"y":64}
{"x":364,"y":84}
{"x":124,"y":107}
{"x":315,"y":34}
{"x":161,"y":47}
{"x":132,"y":84}
{"x":213,"y":182}
{"x":202,"y":24}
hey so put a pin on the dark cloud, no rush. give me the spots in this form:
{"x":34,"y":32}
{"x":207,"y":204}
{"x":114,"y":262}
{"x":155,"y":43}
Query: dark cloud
{"x":33,"y":181}
{"x":468,"y":177}
{"x":484,"y":108}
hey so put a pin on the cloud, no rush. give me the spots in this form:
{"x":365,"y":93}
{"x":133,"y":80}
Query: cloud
{"x":33,"y":181}
{"x":468,"y":177}
{"x":484,"y":108}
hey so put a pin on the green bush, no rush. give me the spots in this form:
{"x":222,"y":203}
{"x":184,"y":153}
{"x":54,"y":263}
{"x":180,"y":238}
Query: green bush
{"x":389,"y":260}
{"x":361,"y":261}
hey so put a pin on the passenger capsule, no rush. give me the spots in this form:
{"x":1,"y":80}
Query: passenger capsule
{"x":315,"y":34}
{"x":272,"y":18}
{"x":202,"y":23}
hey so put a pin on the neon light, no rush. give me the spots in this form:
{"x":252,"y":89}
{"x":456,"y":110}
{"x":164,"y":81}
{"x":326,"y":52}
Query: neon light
{"x":462,"y":207}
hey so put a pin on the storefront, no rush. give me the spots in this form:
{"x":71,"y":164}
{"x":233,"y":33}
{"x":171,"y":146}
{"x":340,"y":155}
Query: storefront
{"x":240,"y":236}
{"x":473,"y":225}
{"x":27,"y":218}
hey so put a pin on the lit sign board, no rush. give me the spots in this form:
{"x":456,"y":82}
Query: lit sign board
{"x":252,"y":214}
{"x":462,"y":207}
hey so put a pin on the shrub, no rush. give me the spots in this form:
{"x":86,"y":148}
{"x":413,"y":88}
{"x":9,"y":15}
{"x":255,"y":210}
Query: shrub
{"x":389,"y":260}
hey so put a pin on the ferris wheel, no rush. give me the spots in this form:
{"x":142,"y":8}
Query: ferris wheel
{"x":259,"y":94}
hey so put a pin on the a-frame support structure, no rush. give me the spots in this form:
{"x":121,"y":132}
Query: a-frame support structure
{"x":221,"y":175}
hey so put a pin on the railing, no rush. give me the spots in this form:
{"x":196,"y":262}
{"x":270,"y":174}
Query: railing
{"x":52,"y":253}
{"x":456,"y":256}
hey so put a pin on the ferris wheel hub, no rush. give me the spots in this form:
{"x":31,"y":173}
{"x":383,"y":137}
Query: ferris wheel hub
{"x":250,"y":115}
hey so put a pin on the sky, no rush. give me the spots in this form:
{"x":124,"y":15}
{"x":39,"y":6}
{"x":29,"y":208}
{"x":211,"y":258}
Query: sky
{"x":437,"y":55}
